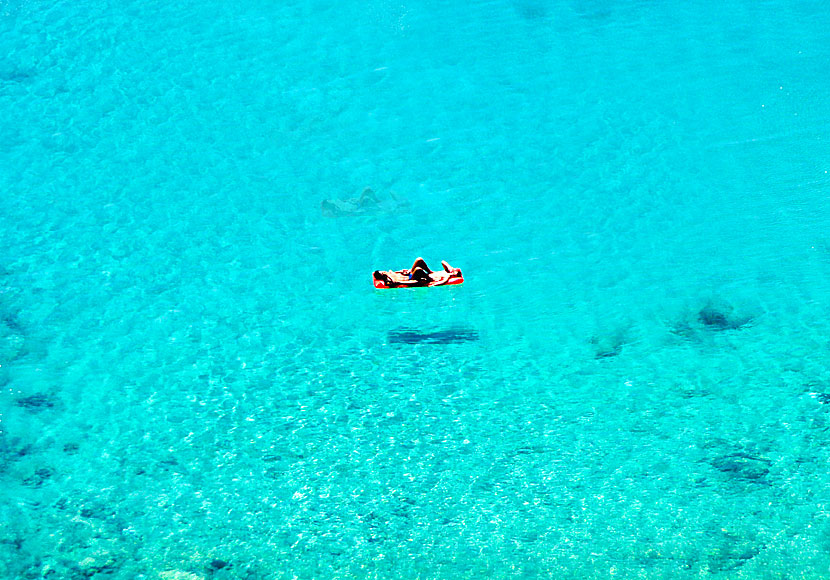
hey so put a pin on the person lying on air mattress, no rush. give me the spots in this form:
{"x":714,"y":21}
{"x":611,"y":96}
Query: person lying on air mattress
{"x":418,"y":275}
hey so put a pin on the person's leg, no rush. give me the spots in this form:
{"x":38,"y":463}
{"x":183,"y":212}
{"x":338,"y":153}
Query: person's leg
{"x":421,"y":276}
{"x":368,"y":197}
{"x":420,"y":263}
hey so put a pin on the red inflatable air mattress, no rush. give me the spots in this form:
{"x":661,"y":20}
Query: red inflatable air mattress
{"x":389,"y":283}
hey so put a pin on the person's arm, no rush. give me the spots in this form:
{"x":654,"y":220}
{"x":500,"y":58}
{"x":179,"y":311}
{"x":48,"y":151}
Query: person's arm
{"x":450,"y":270}
{"x":440,"y":278}
{"x":453,"y":272}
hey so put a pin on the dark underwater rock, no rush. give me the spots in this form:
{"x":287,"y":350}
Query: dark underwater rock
{"x":608,"y":346}
{"x":727,"y":561}
{"x":36,"y":402}
{"x":12,"y":450}
{"x":684,"y":330}
{"x":531,"y":9}
{"x":743,"y":466}
{"x":39,"y":477}
{"x":12,"y":322}
{"x":101,"y":562}
{"x":12,"y":339}
{"x":730,"y":552}
{"x":716,"y":318}
{"x":217,"y":564}
{"x":16,"y":75}
{"x":593,"y":10}
{"x":407,"y":336}
{"x":608,"y":353}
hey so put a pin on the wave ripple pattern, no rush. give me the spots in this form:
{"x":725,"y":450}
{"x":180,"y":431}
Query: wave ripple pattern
{"x":198,"y":380}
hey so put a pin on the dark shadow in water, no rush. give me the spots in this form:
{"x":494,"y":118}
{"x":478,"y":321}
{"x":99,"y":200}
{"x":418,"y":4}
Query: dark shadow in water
{"x":450,"y":336}
{"x":368,"y":204}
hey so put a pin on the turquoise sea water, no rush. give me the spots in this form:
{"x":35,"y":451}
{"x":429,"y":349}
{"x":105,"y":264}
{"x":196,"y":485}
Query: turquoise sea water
{"x":199,"y":380}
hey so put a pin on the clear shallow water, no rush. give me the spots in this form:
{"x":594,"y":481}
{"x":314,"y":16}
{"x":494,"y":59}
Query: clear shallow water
{"x":195,"y":366}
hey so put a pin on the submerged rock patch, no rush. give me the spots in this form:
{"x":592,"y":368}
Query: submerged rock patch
{"x":823,"y":398}
{"x":217,"y":564}
{"x":714,"y":317}
{"x":608,"y":346}
{"x":730,"y":553}
{"x":530,"y":10}
{"x":721,"y":318}
{"x":14,"y":74}
{"x":36,"y":402}
{"x":743,"y":466}
{"x":11,"y":339}
{"x":39,"y":477}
